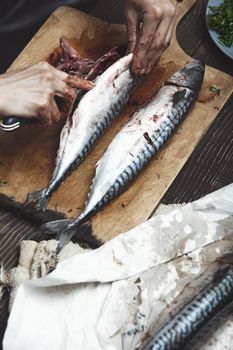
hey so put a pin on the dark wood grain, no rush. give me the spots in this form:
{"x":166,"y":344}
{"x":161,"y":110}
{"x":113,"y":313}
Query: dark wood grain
{"x":211,"y":165}
{"x":209,"y":168}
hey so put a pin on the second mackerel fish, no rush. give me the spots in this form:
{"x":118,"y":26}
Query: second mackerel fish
{"x":135,"y":145}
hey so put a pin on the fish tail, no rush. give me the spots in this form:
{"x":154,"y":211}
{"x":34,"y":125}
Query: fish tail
{"x":64,"y":232}
{"x":55,"y":227}
{"x":64,"y":237}
{"x":38,"y":200}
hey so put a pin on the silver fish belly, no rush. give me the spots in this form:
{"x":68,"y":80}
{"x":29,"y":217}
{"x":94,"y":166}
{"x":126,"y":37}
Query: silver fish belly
{"x":181,"y":329}
{"x":96,"y":110}
{"x":137,"y":142}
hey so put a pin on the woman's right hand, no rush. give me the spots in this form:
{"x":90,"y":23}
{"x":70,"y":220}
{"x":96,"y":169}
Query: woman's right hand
{"x":150,"y":25}
{"x":30,"y":93}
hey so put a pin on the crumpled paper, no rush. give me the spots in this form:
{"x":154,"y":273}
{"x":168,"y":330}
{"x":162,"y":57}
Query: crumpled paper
{"x":35,"y":261}
{"x":116,"y":296}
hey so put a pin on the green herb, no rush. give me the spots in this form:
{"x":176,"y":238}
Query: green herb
{"x":215,"y":90}
{"x":221,"y":20}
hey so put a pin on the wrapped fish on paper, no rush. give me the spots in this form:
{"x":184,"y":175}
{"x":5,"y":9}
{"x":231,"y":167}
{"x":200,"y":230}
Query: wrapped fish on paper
{"x":181,"y":329}
{"x":119,"y":295}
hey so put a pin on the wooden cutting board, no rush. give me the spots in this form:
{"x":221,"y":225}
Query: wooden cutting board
{"x":27,"y":156}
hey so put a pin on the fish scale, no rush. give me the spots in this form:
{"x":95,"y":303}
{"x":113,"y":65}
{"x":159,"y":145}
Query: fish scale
{"x":182,"y":328}
{"x":136,"y":143}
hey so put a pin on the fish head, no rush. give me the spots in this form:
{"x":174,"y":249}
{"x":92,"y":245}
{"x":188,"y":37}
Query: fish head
{"x":190,"y":76}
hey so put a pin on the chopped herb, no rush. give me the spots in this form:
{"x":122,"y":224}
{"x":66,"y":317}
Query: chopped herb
{"x":215,"y":90}
{"x":220,"y":19}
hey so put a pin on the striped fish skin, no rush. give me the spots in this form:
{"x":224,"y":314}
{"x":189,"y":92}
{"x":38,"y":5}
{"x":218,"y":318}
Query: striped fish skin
{"x":136,"y":143}
{"x":182,"y":328}
{"x":95,"y":112}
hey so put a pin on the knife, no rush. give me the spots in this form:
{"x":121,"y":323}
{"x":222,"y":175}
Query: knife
{"x":14,"y":123}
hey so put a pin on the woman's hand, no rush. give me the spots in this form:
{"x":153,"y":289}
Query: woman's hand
{"x":150,"y":25}
{"x":31,"y":92}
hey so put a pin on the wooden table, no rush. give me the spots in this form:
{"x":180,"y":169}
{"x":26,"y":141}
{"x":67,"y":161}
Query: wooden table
{"x":209,"y":168}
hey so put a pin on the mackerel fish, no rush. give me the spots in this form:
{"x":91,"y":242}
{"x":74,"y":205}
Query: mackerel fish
{"x":135,"y":145}
{"x":178,"y":332}
{"x":94,"y":113}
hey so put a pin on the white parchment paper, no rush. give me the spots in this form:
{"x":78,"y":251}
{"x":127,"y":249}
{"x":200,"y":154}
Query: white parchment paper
{"x":112,"y":298}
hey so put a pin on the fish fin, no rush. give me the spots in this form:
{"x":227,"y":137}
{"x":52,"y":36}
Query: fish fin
{"x":55,"y":227}
{"x":64,"y":233}
{"x":38,"y":200}
{"x":80,"y":234}
{"x":64,"y":238}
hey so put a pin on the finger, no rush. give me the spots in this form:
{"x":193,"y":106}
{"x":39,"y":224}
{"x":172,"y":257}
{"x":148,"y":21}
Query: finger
{"x":132,"y":25}
{"x":66,"y":109}
{"x":69,"y":93}
{"x":65,"y":101}
{"x":58,"y":80}
{"x":44,"y":115}
{"x":58,"y":73}
{"x":47,"y":110}
{"x":158,"y":45}
{"x":148,"y":28}
{"x":55,"y":114}
{"x":170,"y":32}
{"x":79,"y":83}
{"x":65,"y":106}
{"x":60,"y":88}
